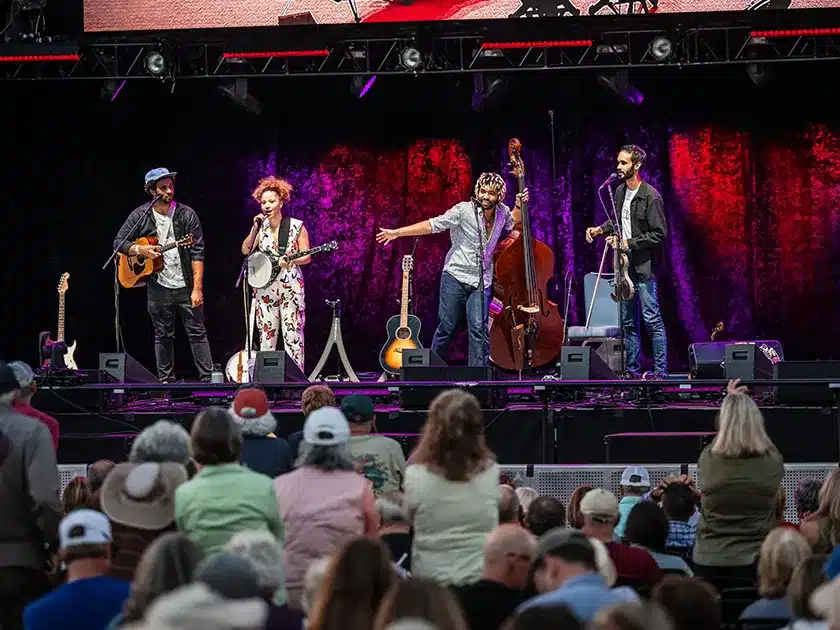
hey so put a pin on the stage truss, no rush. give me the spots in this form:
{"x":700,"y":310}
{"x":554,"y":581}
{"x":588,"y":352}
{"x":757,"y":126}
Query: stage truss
{"x":123,"y":58}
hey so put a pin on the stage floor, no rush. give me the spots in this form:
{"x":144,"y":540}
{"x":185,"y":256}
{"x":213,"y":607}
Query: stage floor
{"x":527,"y":422}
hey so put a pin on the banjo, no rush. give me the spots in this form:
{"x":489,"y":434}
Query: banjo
{"x":263,"y":269}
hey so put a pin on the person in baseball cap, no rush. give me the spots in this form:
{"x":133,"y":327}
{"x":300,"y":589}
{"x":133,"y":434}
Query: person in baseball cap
{"x":326,"y":427}
{"x":89,"y":598}
{"x":635,"y":483}
{"x":262,"y":450}
{"x":155,"y":175}
{"x":378,"y":457}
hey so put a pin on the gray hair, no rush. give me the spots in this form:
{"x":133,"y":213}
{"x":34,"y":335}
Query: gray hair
{"x":391,"y":511}
{"x":265,"y":554}
{"x":8,"y":398}
{"x":23,"y":373}
{"x":326,"y":458}
{"x":164,"y":441}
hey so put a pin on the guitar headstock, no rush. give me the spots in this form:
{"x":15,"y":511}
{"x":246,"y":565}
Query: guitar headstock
{"x":187,"y":241}
{"x":63,"y":283}
{"x":331,"y":246}
{"x":408,"y":263}
{"x":517,"y":166}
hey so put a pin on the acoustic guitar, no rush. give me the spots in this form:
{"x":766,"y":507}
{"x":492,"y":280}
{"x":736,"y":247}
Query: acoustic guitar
{"x":49,"y":347}
{"x":403,"y":329}
{"x":134,"y":271}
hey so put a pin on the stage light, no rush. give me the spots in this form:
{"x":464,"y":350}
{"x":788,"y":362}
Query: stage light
{"x":155,"y":63}
{"x":619,"y":84}
{"x":661,"y":48}
{"x":411,"y":58}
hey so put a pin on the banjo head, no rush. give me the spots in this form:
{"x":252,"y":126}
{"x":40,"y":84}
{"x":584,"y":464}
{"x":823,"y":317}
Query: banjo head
{"x":262,"y":270}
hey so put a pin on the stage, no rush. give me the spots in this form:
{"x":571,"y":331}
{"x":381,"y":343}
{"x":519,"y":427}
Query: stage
{"x":526,"y":422}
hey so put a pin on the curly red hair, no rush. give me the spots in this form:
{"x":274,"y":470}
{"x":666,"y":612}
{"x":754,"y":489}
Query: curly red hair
{"x":272,"y":182}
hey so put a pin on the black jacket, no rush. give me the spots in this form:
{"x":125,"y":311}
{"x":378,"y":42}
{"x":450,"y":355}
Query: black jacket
{"x":184,"y":222}
{"x":647,"y":226}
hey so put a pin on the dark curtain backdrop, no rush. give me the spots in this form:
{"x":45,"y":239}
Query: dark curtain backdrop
{"x":751,"y":202}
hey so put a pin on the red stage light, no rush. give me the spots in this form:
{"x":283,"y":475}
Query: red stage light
{"x":797,"y":32}
{"x":279,"y":53}
{"x":570,"y":43}
{"x":37,"y":58}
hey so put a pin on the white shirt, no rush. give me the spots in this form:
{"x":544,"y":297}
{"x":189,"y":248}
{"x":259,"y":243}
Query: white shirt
{"x":626,"y":224}
{"x":172,"y":276}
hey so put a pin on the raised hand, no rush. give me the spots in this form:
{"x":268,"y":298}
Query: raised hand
{"x":385,"y":236}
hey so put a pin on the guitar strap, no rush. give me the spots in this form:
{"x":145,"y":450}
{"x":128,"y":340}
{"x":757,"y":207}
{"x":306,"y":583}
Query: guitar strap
{"x":283,"y":235}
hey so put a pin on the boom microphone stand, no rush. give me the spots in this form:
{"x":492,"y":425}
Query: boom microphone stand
{"x":480,"y":256}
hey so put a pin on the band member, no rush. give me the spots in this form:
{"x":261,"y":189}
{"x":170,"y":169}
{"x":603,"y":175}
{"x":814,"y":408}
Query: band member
{"x":280,"y":306}
{"x":178,"y":288}
{"x":460,"y":281}
{"x":643,"y":229}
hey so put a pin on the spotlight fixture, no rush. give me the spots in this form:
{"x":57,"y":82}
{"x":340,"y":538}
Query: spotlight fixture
{"x":661,"y":48}
{"x":155,"y":63}
{"x":411,"y":58}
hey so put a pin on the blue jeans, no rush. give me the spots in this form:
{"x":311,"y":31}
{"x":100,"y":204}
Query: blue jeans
{"x":647,"y":296}
{"x":456,"y":300}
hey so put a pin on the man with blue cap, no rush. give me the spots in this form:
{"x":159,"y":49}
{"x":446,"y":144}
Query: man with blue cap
{"x":178,"y":288}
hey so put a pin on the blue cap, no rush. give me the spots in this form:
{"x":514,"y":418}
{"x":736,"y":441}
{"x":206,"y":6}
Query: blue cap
{"x":157,"y":174}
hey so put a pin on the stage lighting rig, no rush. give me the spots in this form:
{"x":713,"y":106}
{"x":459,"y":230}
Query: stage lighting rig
{"x":661,"y":48}
{"x":155,"y":64}
{"x":411,"y":59}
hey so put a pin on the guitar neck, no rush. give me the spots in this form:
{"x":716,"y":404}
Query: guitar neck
{"x":305,"y":252}
{"x":172,"y":245}
{"x":404,"y":301}
{"x":60,"y":335}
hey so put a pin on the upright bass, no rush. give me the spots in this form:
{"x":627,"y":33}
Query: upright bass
{"x":527,"y":332}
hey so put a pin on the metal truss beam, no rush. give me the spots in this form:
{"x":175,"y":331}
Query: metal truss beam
{"x":700,"y":46}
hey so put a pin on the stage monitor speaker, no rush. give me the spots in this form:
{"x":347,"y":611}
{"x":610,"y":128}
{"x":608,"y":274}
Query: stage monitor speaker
{"x":707,"y":358}
{"x":611,"y":352}
{"x":806,"y":394}
{"x":421,"y":357}
{"x":276,"y":367}
{"x":124,"y":368}
{"x":583,"y":363}
{"x":749,"y":361}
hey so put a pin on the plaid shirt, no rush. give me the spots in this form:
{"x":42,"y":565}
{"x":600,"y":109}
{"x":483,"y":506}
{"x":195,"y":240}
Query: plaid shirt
{"x":681,"y":533}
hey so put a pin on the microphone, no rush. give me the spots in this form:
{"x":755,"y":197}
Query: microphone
{"x":611,"y":179}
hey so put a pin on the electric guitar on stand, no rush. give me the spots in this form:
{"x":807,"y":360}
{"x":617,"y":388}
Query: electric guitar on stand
{"x":134,"y":271}
{"x":403,"y":329}
{"x":55,"y":351}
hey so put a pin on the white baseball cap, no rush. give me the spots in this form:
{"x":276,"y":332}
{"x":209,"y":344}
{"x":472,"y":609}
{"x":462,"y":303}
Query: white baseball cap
{"x":84,"y":527}
{"x":635,"y":477}
{"x":326,"y":426}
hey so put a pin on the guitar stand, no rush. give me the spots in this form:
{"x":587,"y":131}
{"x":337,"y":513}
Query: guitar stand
{"x":334,"y":340}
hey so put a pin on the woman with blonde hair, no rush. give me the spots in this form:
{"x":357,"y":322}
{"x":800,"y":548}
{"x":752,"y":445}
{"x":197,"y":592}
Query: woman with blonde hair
{"x":526,"y":496}
{"x":452,"y":491}
{"x":280,"y":305}
{"x":740,"y":473}
{"x":781,"y":553}
{"x":823,"y":528}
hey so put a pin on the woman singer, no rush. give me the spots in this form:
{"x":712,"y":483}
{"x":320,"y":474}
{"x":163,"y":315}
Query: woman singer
{"x":280,"y":305}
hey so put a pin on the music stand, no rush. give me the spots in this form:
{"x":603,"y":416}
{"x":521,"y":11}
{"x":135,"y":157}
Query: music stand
{"x":334,"y":340}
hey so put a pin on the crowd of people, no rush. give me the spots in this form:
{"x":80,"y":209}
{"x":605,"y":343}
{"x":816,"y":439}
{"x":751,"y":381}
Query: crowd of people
{"x":231,"y":526}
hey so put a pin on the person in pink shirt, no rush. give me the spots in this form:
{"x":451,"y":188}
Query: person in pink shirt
{"x":23,"y":402}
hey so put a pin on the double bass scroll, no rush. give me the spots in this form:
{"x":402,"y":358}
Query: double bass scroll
{"x":527,"y":330}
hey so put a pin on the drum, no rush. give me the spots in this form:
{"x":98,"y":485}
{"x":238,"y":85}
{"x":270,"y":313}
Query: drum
{"x":262,"y":269}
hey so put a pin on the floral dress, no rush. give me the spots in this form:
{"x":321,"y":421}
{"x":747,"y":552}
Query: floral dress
{"x":280,"y":306}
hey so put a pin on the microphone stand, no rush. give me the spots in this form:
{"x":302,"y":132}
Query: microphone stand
{"x":115,"y":260}
{"x":620,"y":236}
{"x":484,"y":334}
{"x":243,"y":276}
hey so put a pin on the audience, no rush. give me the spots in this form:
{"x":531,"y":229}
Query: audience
{"x":96,"y":474}
{"x":825,"y":602}
{"x":452,"y":491}
{"x":575,"y":516}
{"x":89,"y":598}
{"x":418,"y":598}
{"x":323,"y":502}
{"x":526,"y":496}
{"x":313,"y":398}
{"x":679,"y":504}
{"x":807,"y":577}
{"x":780,"y":554}
{"x":377,"y":457}
{"x":29,"y":495}
{"x":632,"y":616}
{"x":647,"y":528}
{"x":224,"y":498}
{"x":509,"y":508}
{"x":164,"y":441}
{"x":395,"y":529}
{"x":75,"y":495}
{"x":635,"y":484}
{"x":262,"y":450}
{"x":822,"y":529}
{"x":566,"y":572}
{"x":544,"y":514}
{"x":509,"y":552}
{"x":22,"y":403}
{"x":807,"y":498}
{"x":740,"y":471}
{"x":691,"y":603}
{"x":546,"y":618}
{"x":139,"y":500}
{"x":600,"y":514}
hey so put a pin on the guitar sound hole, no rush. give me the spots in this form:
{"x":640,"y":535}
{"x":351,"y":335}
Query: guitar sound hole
{"x":403,"y":333}
{"x":139,"y":268}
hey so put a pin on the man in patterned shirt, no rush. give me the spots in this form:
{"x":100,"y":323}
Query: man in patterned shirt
{"x":475,"y":228}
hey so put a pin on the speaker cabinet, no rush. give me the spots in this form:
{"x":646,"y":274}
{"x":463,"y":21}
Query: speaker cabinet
{"x":806,"y":394}
{"x":124,"y":368}
{"x":275,"y":367}
{"x":749,"y":361}
{"x":583,"y":364}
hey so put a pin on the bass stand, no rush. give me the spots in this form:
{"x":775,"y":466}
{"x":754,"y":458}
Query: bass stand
{"x":242,"y":280}
{"x":334,"y":340}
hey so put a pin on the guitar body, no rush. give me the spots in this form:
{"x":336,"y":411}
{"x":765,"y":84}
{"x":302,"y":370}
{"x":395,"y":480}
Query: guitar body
{"x":68,"y":350}
{"x":134,"y":271}
{"x":58,"y":350}
{"x":240,"y":369}
{"x":399,"y":339}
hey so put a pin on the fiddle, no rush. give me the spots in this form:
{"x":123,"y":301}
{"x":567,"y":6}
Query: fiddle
{"x":623,"y":289}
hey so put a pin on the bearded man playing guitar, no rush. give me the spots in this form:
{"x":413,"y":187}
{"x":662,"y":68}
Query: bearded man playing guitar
{"x":643,"y":229}
{"x":461,"y":278}
{"x":178,"y":287}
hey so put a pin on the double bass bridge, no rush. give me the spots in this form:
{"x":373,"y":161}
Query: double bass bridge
{"x":530,"y":310}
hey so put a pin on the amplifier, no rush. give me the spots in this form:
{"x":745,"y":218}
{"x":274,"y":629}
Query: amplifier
{"x":750,"y":361}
